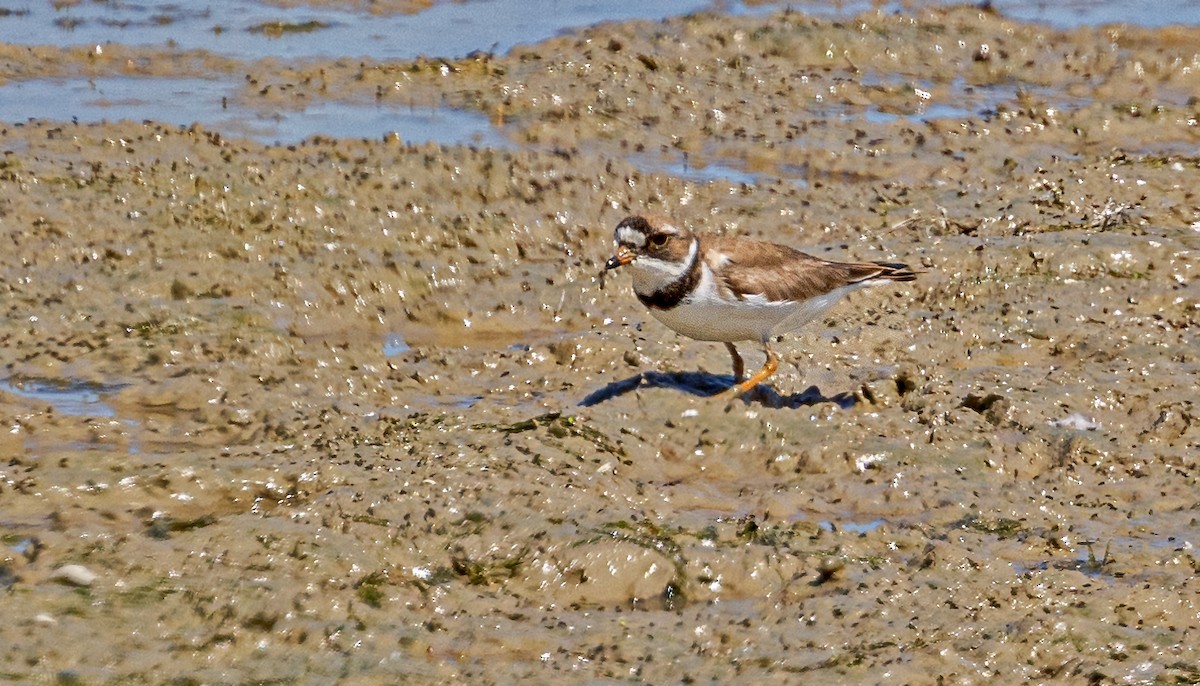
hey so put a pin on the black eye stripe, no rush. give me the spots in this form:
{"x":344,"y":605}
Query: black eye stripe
{"x":639,"y":234}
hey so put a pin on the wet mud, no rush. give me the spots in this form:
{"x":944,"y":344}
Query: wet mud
{"x":358,"y":410}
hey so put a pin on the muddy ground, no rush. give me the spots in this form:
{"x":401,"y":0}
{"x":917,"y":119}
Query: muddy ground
{"x":358,"y":411}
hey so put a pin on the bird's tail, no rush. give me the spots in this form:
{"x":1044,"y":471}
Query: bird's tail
{"x":894,"y":271}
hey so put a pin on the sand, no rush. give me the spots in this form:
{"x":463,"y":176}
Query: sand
{"x":358,"y":411}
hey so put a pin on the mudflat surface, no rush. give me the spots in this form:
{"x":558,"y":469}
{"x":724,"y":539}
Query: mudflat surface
{"x":358,"y":411}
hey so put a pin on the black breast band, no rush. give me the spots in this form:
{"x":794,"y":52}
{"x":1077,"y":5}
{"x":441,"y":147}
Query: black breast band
{"x":673,"y":293}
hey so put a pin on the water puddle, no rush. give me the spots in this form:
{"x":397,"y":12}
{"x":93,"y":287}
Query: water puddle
{"x":1067,"y":14}
{"x":349,"y":120}
{"x":1088,"y":566}
{"x":1064,"y":14}
{"x":958,"y":101}
{"x":253,"y":30}
{"x":185,"y":101}
{"x":75,"y":398}
{"x":851,"y":527}
{"x":393,"y":345}
{"x":954,"y":101}
{"x":922,"y":114}
{"x":256,"y":30}
{"x":427,"y":402}
{"x":701,"y":171}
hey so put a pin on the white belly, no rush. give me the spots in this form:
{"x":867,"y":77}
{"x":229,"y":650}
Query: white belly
{"x":708,"y":319}
{"x":707,"y":316}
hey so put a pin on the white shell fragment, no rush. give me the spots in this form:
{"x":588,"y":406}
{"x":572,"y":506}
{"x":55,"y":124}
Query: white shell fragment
{"x":76,"y":575}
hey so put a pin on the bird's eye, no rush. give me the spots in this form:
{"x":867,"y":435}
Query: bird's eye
{"x":659,"y":240}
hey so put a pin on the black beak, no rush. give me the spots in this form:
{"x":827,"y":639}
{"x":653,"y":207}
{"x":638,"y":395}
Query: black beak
{"x":623,"y":257}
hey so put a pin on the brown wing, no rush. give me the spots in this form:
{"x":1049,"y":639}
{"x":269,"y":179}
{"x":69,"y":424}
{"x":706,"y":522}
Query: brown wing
{"x":782,"y":273}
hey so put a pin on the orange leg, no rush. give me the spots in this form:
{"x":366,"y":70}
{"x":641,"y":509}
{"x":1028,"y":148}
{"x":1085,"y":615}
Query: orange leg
{"x":739,"y":368}
{"x":760,"y":376}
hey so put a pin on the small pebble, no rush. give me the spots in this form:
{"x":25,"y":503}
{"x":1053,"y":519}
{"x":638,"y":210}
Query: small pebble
{"x":76,"y":575}
{"x":828,"y":568}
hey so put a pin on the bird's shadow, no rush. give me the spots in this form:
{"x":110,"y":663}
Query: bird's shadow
{"x":705,"y":384}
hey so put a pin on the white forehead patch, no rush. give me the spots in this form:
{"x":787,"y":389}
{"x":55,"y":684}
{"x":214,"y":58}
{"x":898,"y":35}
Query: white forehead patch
{"x":630,"y":236}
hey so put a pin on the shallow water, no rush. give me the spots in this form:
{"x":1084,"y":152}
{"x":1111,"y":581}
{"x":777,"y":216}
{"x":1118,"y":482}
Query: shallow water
{"x":207,"y":101}
{"x":79,"y":398}
{"x":447,"y":29}
{"x":213,"y":103}
{"x":450,"y":29}
{"x":1065,"y":14}
{"x":235,"y":28}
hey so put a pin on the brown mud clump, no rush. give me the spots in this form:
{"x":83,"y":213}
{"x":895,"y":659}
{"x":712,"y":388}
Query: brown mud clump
{"x":359,"y":408}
